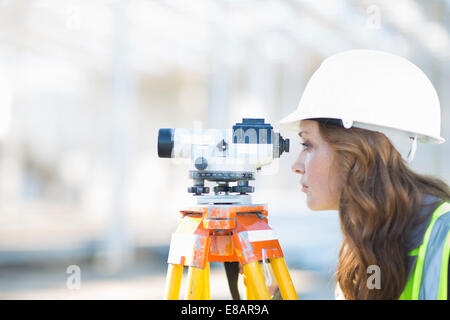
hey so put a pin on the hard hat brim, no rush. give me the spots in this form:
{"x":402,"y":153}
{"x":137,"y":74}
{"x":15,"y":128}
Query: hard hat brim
{"x":292,"y":123}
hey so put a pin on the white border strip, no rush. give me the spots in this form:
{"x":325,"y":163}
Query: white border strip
{"x":261,"y":235}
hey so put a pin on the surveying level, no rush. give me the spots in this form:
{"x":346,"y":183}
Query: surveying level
{"x":226,"y":226}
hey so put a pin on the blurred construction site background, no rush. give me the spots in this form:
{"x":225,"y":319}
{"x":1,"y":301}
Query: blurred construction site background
{"x":86,"y":206}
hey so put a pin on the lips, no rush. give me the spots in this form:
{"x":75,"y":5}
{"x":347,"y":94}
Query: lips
{"x":304,"y":187}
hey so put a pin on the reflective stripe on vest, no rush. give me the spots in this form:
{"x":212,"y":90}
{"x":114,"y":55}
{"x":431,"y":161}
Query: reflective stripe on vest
{"x":429,"y":277}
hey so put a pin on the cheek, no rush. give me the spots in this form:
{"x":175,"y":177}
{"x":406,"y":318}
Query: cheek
{"x":317,"y":170}
{"x":322,"y":185}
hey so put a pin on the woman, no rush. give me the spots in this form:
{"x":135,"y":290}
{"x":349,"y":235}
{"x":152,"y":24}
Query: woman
{"x":359,"y":121}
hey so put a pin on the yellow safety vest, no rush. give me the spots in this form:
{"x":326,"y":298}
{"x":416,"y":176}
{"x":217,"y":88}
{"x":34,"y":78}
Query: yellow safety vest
{"x":429,"y":277}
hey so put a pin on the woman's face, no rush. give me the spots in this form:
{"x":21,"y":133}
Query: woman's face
{"x":318,"y":180}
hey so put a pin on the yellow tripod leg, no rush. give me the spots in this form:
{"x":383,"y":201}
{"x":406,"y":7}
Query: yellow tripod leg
{"x":206,"y":282}
{"x":205,"y":295}
{"x":248,"y":292}
{"x":255,"y":280}
{"x":196,"y":277}
{"x":173,"y":281}
{"x":284,"y":280}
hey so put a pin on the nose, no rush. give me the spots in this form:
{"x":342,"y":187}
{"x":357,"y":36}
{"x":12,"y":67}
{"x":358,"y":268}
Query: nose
{"x":298,"y":166}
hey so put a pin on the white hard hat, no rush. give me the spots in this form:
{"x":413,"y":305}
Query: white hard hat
{"x":376,"y":91}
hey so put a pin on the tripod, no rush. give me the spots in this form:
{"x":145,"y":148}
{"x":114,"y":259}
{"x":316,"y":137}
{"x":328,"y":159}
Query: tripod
{"x":225,"y":228}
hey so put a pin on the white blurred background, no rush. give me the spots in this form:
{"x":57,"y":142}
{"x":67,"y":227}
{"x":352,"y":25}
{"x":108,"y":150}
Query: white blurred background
{"x":85,"y":86}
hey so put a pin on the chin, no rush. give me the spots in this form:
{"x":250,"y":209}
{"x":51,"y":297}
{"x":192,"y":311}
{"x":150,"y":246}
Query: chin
{"x":314,"y":206}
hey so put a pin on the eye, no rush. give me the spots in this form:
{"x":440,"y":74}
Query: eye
{"x":306,"y":145}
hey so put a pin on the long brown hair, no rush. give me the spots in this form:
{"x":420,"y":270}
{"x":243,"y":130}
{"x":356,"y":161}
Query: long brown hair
{"x":379,"y":205}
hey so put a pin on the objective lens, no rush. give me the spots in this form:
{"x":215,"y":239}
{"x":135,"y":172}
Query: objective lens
{"x":165,"y":143}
